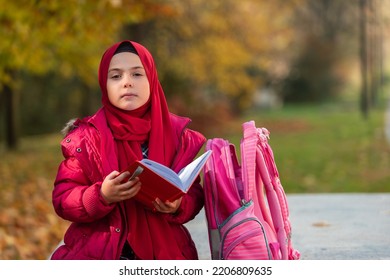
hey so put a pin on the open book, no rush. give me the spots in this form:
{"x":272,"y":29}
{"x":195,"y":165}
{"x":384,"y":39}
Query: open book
{"x":160,"y":181}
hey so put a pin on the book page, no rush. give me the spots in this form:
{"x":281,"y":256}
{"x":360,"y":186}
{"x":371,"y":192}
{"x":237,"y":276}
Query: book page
{"x":164,"y":171}
{"x":186,"y":176}
{"x":189,"y":173}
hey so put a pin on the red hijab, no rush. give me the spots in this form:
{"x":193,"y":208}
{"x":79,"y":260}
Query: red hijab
{"x":149,"y":234}
{"x":149,"y":123}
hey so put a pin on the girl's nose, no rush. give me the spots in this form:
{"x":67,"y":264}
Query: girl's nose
{"x":128,"y":82}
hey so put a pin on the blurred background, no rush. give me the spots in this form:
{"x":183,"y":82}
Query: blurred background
{"x":314,"y":73}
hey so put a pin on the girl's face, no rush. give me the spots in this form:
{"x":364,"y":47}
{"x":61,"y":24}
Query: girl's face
{"x":127,"y":84}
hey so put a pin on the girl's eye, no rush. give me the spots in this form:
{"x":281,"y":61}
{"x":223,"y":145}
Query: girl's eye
{"x":115,"y":76}
{"x":137,"y":74}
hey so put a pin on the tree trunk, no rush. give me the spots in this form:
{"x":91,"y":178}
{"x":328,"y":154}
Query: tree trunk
{"x":10,"y":106}
{"x":364,"y":95}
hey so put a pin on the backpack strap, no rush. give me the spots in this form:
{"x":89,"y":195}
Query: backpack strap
{"x":254,"y":188}
{"x":276,"y":196}
{"x":248,"y":159}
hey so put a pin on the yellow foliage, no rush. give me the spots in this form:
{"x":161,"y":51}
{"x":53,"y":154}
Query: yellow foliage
{"x":29,"y":227}
{"x":216,"y":44}
{"x":65,"y":36}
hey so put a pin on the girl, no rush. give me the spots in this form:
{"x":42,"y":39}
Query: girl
{"x":134,"y":122}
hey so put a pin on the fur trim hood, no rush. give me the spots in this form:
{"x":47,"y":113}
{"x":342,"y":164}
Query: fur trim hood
{"x":69,"y":126}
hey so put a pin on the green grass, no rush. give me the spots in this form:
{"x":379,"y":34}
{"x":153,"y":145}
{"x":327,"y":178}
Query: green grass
{"x":328,"y":148}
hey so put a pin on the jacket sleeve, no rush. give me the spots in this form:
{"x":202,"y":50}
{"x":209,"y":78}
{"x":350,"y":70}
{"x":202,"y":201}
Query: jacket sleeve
{"x":75,"y":196}
{"x":193,"y":201}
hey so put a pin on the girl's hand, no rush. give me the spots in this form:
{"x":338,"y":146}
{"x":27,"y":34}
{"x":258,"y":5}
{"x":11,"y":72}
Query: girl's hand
{"x":113,"y":190}
{"x":167,"y":207}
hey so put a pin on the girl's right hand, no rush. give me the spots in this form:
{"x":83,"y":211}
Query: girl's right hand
{"x":113,"y":190}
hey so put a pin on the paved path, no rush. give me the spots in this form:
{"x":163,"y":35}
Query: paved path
{"x":329,"y":226}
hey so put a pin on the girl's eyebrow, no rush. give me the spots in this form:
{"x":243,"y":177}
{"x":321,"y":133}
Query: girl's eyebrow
{"x":120,"y":69}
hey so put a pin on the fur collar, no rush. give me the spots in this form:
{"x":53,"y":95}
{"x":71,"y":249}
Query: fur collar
{"x":70,"y":125}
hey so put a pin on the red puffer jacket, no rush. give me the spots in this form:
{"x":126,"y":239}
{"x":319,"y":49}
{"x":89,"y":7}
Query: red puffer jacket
{"x":99,"y":230}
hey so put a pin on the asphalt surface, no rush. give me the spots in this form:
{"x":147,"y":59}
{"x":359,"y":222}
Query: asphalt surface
{"x":328,"y":226}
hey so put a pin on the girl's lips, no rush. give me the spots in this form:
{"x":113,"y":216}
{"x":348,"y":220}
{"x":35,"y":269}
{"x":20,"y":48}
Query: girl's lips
{"x":129,"y":95}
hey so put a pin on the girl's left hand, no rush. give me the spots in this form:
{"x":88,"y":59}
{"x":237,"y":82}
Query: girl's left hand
{"x":167,"y":207}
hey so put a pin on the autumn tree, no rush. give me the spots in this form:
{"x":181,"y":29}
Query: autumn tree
{"x":371,"y":53}
{"x":215,"y":51}
{"x":326,"y":40}
{"x":333,"y":38}
{"x":67,"y":37}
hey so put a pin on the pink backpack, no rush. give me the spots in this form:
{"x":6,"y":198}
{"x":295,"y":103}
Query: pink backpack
{"x":245,"y":204}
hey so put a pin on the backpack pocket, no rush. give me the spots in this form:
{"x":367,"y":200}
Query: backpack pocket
{"x":243,"y":236}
